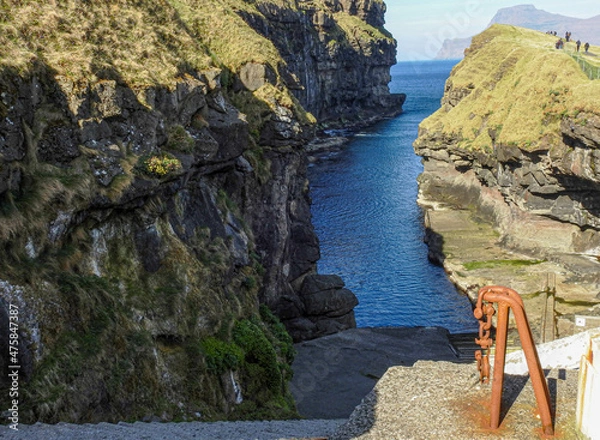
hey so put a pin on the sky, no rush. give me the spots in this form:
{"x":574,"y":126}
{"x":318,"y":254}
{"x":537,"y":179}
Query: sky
{"x":421,"y":26}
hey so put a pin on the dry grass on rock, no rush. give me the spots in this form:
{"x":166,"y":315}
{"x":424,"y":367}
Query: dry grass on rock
{"x":143,"y":43}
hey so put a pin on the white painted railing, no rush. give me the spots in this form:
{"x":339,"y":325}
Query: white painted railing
{"x":588,"y":392}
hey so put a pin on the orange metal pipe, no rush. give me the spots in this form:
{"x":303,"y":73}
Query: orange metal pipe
{"x":506,"y":298}
{"x":498,"y":375}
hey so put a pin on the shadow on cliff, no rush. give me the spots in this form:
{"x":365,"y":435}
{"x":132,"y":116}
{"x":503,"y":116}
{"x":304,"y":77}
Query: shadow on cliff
{"x":56,"y":178}
{"x":580,"y":191}
{"x":46,"y":171}
{"x":32,"y":190}
{"x":435,"y":246}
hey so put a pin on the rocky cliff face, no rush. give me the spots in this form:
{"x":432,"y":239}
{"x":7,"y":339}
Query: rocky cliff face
{"x":320,"y":43}
{"x":147,"y":214}
{"x":517,"y":140}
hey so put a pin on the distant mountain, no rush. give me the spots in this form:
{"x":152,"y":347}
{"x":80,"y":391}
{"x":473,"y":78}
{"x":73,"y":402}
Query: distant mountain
{"x":453,"y":49}
{"x":528,"y":16}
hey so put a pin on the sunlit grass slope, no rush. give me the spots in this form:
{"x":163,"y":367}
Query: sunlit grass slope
{"x":219,"y":25}
{"x":519,"y":88}
{"x":145,"y":42}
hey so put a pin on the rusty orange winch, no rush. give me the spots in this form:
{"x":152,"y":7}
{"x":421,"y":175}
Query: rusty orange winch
{"x":508,"y":299}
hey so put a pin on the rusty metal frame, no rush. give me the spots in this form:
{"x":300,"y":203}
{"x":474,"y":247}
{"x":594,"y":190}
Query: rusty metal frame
{"x":508,"y":299}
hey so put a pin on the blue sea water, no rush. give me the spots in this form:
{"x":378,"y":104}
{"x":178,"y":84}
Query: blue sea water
{"x":371,"y":229}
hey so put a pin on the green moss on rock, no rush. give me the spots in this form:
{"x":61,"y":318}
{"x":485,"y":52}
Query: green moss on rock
{"x":491,"y":264}
{"x":221,"y":356}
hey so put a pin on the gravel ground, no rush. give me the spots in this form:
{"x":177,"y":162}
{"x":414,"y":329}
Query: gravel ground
{"x":271,"y":430}
{"x":441,"y":400}
{"x":428,"y":401}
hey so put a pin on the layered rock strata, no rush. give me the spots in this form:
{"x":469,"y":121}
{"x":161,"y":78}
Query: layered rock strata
{"x":155,"y":209}
{"x":515,"y":143}
{"x":320,"y":47}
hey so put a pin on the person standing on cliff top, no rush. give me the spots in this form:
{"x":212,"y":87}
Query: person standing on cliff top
{"x":586,"y":46}
{"x":578,"y":44}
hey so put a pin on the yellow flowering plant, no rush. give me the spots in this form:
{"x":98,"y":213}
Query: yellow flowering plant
{"x":162,"y":165}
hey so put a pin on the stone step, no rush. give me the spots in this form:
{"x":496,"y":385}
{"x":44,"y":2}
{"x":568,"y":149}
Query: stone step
{"x":464,"y":346}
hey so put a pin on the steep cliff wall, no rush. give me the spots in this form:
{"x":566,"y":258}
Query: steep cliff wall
{"x":153,"y":195}
{"x":517,"y":139}
{"x":330,"y":80}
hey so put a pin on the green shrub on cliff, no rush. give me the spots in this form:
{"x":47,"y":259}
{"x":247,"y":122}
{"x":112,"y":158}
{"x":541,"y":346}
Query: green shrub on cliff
{"x":258,"y":350}
{"x":266,"y":368}
{"x":179,"y":139}
{"x":281,"y":339}
{"x":221,"y":356}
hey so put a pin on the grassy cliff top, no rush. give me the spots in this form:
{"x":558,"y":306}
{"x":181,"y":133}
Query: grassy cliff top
{"x":144,"y":42}
{"x":519,"y":88}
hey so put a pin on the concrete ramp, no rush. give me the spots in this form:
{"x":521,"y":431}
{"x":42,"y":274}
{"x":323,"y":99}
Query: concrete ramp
{"x":334,"y":373}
